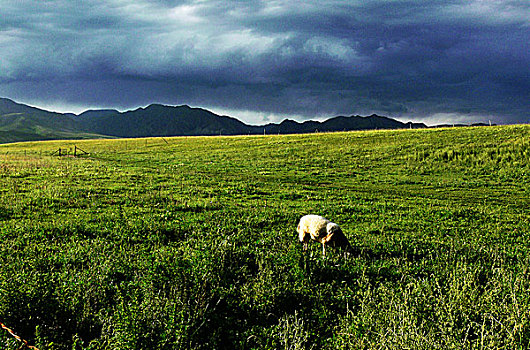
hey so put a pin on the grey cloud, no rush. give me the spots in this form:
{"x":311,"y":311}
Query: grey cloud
{"x":405,"y":59}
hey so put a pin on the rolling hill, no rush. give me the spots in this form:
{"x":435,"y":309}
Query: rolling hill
{"x":19,"y":122}
{"x":159,"y":120}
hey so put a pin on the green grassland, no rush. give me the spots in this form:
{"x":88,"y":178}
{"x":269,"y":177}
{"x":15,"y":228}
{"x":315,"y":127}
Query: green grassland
{"x":182,"y":243}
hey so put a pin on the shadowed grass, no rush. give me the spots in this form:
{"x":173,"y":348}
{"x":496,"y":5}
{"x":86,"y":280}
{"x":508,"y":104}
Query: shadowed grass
{"x":191,"y":242}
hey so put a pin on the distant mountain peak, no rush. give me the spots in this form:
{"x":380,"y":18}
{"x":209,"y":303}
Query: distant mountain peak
{"x":162,"y":120}
{"x":163,"y":106}
{"x":6,"y":100}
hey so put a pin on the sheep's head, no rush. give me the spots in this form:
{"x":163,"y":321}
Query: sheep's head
{"x":337,"y":237}
{"x":333,"y":228}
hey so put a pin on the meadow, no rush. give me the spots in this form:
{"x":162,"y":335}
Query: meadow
{"x":191,"y":243}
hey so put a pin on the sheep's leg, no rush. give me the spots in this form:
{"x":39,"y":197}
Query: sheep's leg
{"x":325,"y":241}
{"x":305,"y":240}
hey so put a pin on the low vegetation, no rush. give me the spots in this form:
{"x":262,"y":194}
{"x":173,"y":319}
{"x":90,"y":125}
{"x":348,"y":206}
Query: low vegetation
{"x":182,"y":243}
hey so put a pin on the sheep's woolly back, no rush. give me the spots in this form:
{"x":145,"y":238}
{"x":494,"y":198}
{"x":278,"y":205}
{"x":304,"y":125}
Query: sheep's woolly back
{"x":315,"y":226}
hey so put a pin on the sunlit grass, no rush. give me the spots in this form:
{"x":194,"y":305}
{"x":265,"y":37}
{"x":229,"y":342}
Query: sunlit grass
{"x":190,"y":242}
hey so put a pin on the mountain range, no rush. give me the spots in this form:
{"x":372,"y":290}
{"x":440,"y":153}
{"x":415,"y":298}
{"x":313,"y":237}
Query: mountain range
{"x":19,"y":122}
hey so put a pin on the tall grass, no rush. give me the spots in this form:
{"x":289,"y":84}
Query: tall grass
{"x":191,"y":242}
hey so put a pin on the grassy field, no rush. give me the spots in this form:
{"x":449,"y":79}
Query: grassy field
{"x":183,"y":243}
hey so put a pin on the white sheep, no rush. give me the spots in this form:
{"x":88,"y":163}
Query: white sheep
{"x":322,"y":230}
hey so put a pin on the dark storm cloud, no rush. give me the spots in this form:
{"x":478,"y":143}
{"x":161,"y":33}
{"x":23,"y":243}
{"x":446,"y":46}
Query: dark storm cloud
{"x":423,"y":60}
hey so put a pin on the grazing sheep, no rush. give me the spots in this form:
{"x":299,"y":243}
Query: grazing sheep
{"x":322,"y":230}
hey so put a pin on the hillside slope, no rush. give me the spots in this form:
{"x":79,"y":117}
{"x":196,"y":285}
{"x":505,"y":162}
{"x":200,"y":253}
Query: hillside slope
{"x":19,"y":122}
{"x":191,"y":243}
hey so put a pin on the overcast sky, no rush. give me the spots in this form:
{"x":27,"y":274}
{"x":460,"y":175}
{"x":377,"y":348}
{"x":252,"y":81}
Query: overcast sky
{"x":260,"y":61}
